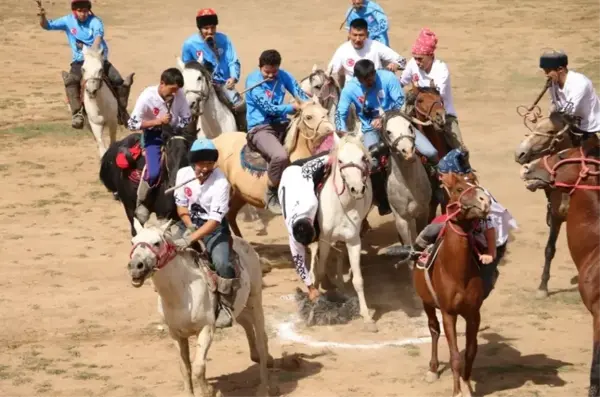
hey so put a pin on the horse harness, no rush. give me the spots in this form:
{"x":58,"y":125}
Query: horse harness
{"x":583,"y":173}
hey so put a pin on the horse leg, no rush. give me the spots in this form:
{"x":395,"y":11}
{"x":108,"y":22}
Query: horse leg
{"x":471,"y":350}
{"x":97,"y":132}
{"x":594,"y":390}
{"x":354,"y":247}
{"x":183,"y":347}
{"x":450,"y":331}
{"x":549,"y":251}
{"x":235,"y":205}
{"x":434,"y":329}
{"x":313,"y":274}
{"x":199,"y":366}
{"x":112,"y":132}
{"x":404,"y":230}
{"x":262,"y":344}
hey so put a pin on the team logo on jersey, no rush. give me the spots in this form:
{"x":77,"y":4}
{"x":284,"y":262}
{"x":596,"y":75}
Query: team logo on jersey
{"x":187,"y":191}
{"x":155,"y":111}
{"x":220,"y":51}
{"x":73,"y":31}
{"x":269,"y":93}
{"x":350,"y":62}
{"x":199,"y":54}
{"x":370,"y":18}
{"x":361,"y":99}
{"x":415,"y":77}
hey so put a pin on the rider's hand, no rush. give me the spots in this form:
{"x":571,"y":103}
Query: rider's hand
{"x":166,"y":119}
{"x":230,"y":83}
{"x":376,"y":123}
{"x":486,"y":259}
{"x":392,"y":67}
{"x":295,"y":105}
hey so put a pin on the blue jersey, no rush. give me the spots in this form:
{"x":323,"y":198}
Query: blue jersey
{"x":225,"y":64}
{"x":376,"y":19}
{"x":80,"y":33}
{"x":385,"y":93}
{"x":264,"y":104}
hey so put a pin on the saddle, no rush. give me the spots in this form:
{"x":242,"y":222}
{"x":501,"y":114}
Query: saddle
{"x":127,"y":157}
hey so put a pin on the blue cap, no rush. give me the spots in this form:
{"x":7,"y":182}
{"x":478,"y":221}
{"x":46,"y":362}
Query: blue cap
{"x":203,"y":149}
{"x":203,"y":144}
{"x":455,"y":161}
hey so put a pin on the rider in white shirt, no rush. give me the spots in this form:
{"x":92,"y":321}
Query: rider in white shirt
{"x":421,"y":70}
{"x":358,"y":47}
{"x":202,"y":205}
{"x":299,"y":204}
{"x":571,"y":93}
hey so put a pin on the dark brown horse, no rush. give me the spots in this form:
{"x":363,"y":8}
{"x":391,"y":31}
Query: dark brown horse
{"x":453,"y":283}
{"x":577,"y":172}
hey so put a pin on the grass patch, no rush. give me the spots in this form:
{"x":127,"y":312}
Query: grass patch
{"x":84,"y":375}
{"x":36,"y":130}
{"x":43,"y":388}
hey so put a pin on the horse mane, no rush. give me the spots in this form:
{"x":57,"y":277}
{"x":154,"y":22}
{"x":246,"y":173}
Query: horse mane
{"x":352,"y":140}
{"x":195,"y":65}
{"x":291,"y":136}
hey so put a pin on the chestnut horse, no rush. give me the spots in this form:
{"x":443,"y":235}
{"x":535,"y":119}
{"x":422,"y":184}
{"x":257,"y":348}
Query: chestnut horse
{"x":429,"y":110}
{"x":454,"y":285}
{"x":577,"y":172}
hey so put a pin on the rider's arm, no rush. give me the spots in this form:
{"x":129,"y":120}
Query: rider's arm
{"x":348,"y":18}
{"x":396,"y":94}
{"x":406,"y":76}
{"x":342,"y":110}
{"x":185,"y":114}
{"x":388,"y":55}
{"x":181,"y":200}
{"x":188,"y":53}
{"x":443,"y":82}
{"x":53,"y":24}
{"x":263,"y":102}
{"x":136,"y":120}
{"x":218,"y":209}
{"x":97,"y":28}
{"x":381,"y":25}
{"x":336,"y":63}
{"x":292,"y":86}
{"x":299,"y":259}
{"x":232,"y":61}
{"x":490,"y":237}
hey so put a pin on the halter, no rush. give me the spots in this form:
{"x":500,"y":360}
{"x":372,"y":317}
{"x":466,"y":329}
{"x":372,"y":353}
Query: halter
{"x":427,"y":114}
{"x":164,"y":255}
{"x":556,"y":138}
{"x":583,"y":173}
{"x":392,"y":144}
{"x":460,"y":207}
{"x":364,"y":171}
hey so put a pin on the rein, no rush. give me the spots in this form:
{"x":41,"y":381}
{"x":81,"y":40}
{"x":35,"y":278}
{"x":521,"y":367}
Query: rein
{"x":427,"y":114}
{"x":164,"y":255}
{"x":583,"y":173}
{"x":460,"y":207}
{"x":364,"y":171}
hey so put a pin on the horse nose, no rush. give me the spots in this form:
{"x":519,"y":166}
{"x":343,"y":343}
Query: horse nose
{"x":353,"y":189}
{"x":520,"y":157}
{"x":363,"y":189}
{"x":135,"y":265}
{"x":524,"y":170}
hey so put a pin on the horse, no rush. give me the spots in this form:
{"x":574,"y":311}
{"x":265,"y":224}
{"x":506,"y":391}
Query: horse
{"x":122,"y":165}
{"x":344,"y":202}
{"x":548,"y":135}
{"x":576,"y":171}
{"x":186,"y":302}
{"x":245,"y":170}
{"x":99,"y":100}
{"x":212,"y":112}
{"x":408,"y":186}
{"x":454,"y":285}
{"x":327,"y":89}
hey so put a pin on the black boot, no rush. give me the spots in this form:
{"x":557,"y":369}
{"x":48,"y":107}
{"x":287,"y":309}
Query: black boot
{"x":272,"y":200}
{"x":378,"y":180}
{"x":73,"y":90}
{"x":226,"y":292}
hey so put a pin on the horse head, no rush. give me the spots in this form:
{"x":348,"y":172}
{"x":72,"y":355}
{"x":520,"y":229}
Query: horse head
{"x":197,"y":84}
{"x":151,"y":250}
{"x":399,"y":134}
{"x":429,"y":105}
{"x":308,"y":127}
{"x":548,"y":135}
{"x":352,"y":163}
{"x":569,"y":168}
{"x":467,"y":201}
{"x":323,"y":86}
{"x":92,"y":70}
{"x":177,"y":144}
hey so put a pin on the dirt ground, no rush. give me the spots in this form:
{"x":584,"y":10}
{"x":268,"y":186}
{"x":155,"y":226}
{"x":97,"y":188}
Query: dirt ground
{"x":73,"y":325}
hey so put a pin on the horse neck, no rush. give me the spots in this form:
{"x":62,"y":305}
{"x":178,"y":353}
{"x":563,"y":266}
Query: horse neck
{"x":301,"y":149}
{"x":407,"y":172}
{"x":583,"y":220}
{"x":217,"y":117}
{"x":174,"y":282}
{"x":105,"y":102}
{"x":456,"y":253}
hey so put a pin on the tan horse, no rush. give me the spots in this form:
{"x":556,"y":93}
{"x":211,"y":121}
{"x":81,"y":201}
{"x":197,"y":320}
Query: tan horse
{"x":306,"y":132}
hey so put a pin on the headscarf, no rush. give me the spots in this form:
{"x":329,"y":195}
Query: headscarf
{"x":426,"y":43}
{"x":455,"y":161}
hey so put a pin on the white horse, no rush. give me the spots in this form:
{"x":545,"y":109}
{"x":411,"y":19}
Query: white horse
{"x":344,"y":203}
{"x":408,"y":187}
{"x":213,"y":116}
{"x":101,"y":106}
{"x":187,"y":303}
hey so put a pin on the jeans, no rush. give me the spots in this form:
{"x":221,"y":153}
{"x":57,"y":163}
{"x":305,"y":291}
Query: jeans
{"x":425,"y":147}
{"x":152,"y":143}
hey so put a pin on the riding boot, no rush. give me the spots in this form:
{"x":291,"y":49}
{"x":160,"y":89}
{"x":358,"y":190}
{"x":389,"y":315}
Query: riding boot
{"x":272,"y":200}
{"x":122,"y":98}
{"x":239,"y":113}
{"x":378,"y":180}
{"x":226,"y":292}
{"x":141,"y":211}
{"x":73,"y":91}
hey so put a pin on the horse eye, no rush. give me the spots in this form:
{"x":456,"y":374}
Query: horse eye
{"x":340,"y":161}
{"x":309,"y":117}
{"x":420,"y":100}
{"x":318,"y":87}
{"x":157,"y":244}
{"x":460,"y":190}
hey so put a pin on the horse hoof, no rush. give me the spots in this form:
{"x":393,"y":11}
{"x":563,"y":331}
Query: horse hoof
{"x":270,"y":360}
{"x":262,"y":391}
{"x":371,"y":327}
{"x":116,"y":196}
{"x":541,"y":294}
{"x":431,"y":377}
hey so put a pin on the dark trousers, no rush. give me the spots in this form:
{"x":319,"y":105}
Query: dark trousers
{"x":266,"y":139}
{"x":109,"y":70}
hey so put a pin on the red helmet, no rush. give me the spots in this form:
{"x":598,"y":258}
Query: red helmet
{"x":206,"y":17}
{"x":75,"y":4}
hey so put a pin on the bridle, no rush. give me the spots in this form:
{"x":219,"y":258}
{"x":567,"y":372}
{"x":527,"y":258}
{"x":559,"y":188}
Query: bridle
{"x":427,"y":114}
{"x":460,"y":207}
{"x":336,"y":164}
{"x":584,"y":171}
{"x":392,"y":144}
{"x":163,"y":255}
{"x":556,"y":139}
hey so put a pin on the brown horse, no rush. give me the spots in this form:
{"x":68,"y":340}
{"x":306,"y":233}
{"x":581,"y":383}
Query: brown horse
{"x":454,"y":285}
{"x":577,"y":171}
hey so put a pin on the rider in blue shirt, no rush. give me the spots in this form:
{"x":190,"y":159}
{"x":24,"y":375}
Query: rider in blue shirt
{"x":82,"y":27}
{"x":375,"y":17}
{"x":216,"y":52}
{"x":267,"y":117}
{"x":370,"y":90}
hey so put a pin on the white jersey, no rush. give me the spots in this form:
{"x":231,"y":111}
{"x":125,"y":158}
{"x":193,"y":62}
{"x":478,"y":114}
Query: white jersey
{"x":439,"y":74}
{"x":579,"y":99}
{"x":151,"y":106}
{"x":346,"y":56}
{"x":500,"y":219}
{"x":206,"y":201}
{"x":298,"y":200}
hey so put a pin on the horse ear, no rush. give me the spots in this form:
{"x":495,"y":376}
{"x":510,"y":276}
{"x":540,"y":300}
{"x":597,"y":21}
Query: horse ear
{"x":314,"y":68}
{"x":381,"y":113}
{"x":432,"y":84}
{"x":84,"y":50}
{"x":166,"y":226}
{"x":180,"y":64}
{"x":316,"y":100}
{"x":137,"y":226}
{"x":201,"y":58}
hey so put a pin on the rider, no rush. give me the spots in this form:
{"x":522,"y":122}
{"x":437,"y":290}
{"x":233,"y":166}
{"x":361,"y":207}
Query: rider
{"x":572,"y":93}
{"x":267,"y":117}
{"x":360,"y":46}
{"x":421,"y":70}
{"x":215,"y":51}
{"x":202,"y":205}
{"x":369,"y":90}
{"x":375,"y":17}
{"x":300,"y":204}
{"x":157,"y":106}
{"x":491,"y":234}
{"x":82,"y":27}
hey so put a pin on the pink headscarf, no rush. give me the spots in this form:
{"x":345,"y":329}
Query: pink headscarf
{"x":426,"y":43}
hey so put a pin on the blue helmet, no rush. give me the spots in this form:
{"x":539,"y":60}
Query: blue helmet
{"x":203,"y":149}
